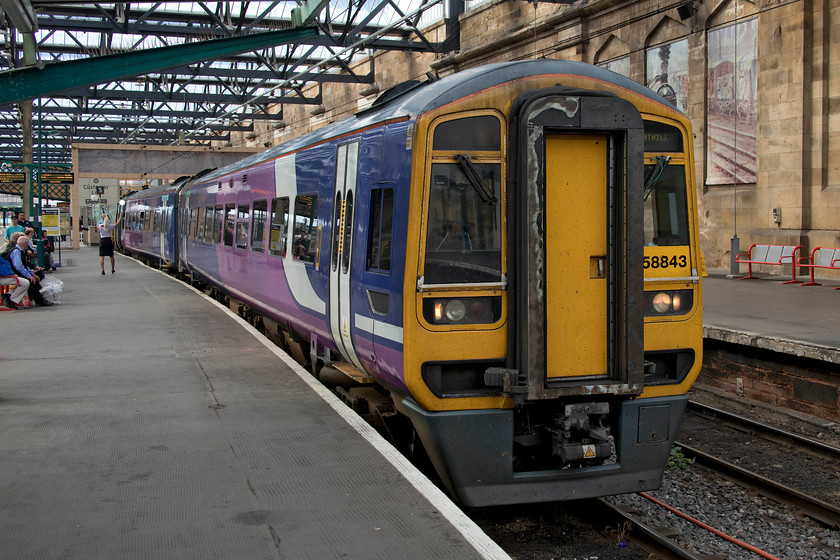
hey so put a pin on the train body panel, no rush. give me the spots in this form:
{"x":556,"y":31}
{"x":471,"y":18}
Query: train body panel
{"x":150,"y":229}
{"x":511,"y":252}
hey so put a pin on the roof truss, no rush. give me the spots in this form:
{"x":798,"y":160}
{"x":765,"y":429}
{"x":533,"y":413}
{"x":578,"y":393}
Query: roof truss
{"x":206,"y":100}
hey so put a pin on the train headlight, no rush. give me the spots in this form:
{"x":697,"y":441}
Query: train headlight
{"x":662,"y":302}
{"x":455,"y":310}
{"x":672,"y":302}
{"x":462,"y":311}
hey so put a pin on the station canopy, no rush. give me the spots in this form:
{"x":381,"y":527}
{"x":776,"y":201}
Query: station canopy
{"x":201,"y":101}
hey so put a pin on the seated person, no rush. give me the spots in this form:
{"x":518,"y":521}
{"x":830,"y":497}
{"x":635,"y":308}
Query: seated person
{"x":8,"y":278}
{"x":16,"y":257}
{"x":31,"y":254}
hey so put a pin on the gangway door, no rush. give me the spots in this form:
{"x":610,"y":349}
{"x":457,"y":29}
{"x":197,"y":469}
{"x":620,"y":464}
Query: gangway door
{"x":577,"y":323}
{"x":576,"y":250}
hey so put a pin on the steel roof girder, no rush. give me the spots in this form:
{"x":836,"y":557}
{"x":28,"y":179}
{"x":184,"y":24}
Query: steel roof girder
{"x":29,"y":83}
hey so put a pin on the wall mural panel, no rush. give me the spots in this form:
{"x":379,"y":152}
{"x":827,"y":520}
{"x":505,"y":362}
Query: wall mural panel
{"x":618,"y":65}
{"x":667,"y":72}
{"x":731,"y":93}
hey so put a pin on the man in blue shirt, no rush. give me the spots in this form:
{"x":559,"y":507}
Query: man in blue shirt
{"x":16,"y":258}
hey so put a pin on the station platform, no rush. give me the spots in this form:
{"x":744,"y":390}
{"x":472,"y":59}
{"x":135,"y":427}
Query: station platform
{"x":766,"y":313}
{"x":141,"y":419}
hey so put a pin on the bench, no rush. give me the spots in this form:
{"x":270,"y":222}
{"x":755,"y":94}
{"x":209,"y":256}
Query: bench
{"x":769,"y":254}
{"x":821,"y":257}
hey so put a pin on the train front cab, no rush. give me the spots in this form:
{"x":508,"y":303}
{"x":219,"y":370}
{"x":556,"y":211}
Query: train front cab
{"x":535,"y":390}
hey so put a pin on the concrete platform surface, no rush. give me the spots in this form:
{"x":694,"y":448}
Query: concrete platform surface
{"x":139,"y":419}
{"x":789,"y":318}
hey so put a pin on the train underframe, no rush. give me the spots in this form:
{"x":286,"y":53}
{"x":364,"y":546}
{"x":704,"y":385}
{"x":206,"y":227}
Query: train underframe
{"x":549,"y":451}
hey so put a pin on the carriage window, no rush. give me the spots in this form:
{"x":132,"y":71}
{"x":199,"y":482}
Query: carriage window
{"x":348,"y":232}
{"x":142,"y":222}
{"x":163,"y":213}
{"x":305,"y":247}
{"x":666,"y":214}
{"x":381,"y":224}
{"x":470,"y":134}
{"x":279,"y":222}
{"x":218,"y":220}
{"x":200,"y":224}
{"x":242,"y":216}
{"x":208,"y":224}
{"x":258,"y":225}
{"x":230,"y":220}
{"x":193,"y":217}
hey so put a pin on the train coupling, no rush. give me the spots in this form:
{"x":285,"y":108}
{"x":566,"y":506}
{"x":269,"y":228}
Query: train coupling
{"x":579,"y":436}
{"x":511,"y":381}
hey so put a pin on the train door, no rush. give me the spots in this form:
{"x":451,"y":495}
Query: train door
{"x":578,"y":327}
{"x":163,"y":208}
{"x":183,"y":257}
{"x":576,"y":250}
{"x":341,"y":247}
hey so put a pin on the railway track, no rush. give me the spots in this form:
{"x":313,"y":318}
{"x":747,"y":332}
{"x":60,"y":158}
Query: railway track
{"x":816,"y":508}
{"x":770,"y":432}
{"x":653,"y":540}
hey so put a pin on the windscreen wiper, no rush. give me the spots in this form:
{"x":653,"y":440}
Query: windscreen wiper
{"x":651,"y":180}
{"x":474,"y":178}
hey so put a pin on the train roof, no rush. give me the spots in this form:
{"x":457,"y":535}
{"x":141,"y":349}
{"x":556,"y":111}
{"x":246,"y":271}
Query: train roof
{"x":421,"y":97}
{"x":157,"y":191}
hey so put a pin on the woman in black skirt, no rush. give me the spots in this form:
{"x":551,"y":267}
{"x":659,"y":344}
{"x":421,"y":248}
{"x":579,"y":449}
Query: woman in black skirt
{"x":106,"y":243}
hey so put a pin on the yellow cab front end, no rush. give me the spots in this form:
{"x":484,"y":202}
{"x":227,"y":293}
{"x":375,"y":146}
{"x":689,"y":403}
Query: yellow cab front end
{"x":528,"y":336}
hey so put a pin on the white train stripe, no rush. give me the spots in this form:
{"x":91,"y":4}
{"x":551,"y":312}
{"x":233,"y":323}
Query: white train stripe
{"x":285,"y":184}
{"x":378,"y":328}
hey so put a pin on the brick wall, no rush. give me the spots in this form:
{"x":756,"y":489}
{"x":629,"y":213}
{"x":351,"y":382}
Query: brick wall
{"x":802,"y":384}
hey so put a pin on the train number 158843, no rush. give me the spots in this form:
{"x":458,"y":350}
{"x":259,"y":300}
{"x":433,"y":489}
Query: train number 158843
{"x":664,"y":261}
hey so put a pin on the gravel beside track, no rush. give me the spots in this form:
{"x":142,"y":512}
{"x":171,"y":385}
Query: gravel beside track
{"x":787,"y":464}
{"x":725,"y":506}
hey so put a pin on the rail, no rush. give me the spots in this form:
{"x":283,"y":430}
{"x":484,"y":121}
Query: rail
{"x":646,"y":537}
{"x":813,"y":507}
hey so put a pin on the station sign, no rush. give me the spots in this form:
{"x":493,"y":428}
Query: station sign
{"x":57,"y":178}
{"x":55,"y":221}
{"x":97,"y":201}
{"x":13,"y":177}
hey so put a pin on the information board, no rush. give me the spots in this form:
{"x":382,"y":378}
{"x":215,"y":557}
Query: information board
{"x":18,"y":177}
{"x":55,"y":221}
{"x":61,"y":178}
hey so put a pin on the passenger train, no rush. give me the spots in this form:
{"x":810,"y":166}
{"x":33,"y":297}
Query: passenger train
{"x":508,"y":254}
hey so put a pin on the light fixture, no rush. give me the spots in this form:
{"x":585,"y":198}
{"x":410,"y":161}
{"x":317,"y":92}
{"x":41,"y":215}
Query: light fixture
{"x":686,"y":10}
{"x":251,"y":136}
{"x":279,"y":125}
